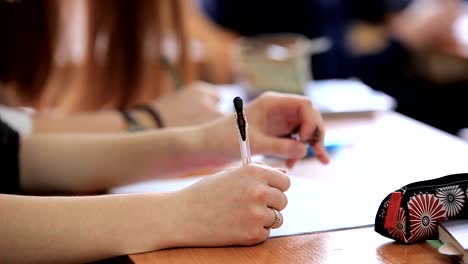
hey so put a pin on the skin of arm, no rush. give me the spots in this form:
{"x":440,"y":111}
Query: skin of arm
{"x":232,"y":207}
{"x":88,"y":163}
{"x":82,"y":229}
{"x":84,"y":163}
{"x":97,"y":122}
{"x":196,"y":103}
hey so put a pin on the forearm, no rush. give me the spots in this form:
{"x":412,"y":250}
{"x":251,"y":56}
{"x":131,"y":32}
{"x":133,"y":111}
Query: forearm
{"x":83,"y":229}
{"x":92,"y":122}
{"x":84,"y":163}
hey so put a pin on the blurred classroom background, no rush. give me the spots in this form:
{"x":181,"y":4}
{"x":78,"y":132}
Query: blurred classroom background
{"x":415,"y":51}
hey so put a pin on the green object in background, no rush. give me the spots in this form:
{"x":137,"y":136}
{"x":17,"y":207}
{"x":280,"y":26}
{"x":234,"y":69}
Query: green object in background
{"x":277,"y":62}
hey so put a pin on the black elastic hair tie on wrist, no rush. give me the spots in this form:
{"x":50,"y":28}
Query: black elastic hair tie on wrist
{"x":132,"y":123}
{"x":153,"y":113}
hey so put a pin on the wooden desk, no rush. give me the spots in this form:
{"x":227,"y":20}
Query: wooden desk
{"x":388,"y":150}
{"x":351,"y":246}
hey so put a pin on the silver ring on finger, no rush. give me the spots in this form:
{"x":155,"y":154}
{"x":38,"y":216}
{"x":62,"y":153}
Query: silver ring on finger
{"x":278,"y":219}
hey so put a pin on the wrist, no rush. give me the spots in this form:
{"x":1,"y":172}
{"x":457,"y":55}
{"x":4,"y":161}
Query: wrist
{"x":144,"y":119}
{"x":140,"y":118}
{"x":220,"y":139}
{"x":185,"y":228}
{"x":151,"y":224}
{"x":184,"y":149}
{"x":152,"y":115}
{"x":165,"y":111}
{"x":179,"y":229}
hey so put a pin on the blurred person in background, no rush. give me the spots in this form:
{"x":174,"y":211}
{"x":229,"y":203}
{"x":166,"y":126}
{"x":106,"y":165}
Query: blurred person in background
{"x":410,"y":29}
{"x":113,"y":54}
{"x":139,"y":50}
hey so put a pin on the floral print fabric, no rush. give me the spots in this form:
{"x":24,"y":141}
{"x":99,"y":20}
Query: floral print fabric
{"x":423,"y":206}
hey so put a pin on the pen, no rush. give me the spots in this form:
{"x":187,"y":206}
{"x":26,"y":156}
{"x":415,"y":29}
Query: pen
{"x":330,"y":147}
{"x":243,"y":133}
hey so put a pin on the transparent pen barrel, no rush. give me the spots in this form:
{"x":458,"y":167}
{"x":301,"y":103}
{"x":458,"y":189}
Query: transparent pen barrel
{"x":245,"y":150}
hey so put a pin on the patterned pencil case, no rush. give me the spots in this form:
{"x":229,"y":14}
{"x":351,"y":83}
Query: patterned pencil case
{"x":412,"y":213}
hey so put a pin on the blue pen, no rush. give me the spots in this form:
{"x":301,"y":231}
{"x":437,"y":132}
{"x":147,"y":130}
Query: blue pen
{"x":330,"y":147}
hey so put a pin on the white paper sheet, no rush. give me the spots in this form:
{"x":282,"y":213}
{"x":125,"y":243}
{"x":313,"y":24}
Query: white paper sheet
{"x":312,"y":207}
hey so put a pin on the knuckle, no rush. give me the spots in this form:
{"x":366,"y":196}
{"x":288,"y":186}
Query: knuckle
{"x":308,"y":102}
{"x":259,"y":194}
{"x":257,"y":169}
{"x":287,"y":181}
{"x":251,"y":169}
{"x":284,"y":202}
{"x":258,"y":217}
{"x":256,"y":236}
{"x":266,"y":97}
{"x":283,"y":182}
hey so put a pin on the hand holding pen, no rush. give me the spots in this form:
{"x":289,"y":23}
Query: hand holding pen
{"x":245,"y":153}
{"x":270,"y":117}
{"x":273,"y":115}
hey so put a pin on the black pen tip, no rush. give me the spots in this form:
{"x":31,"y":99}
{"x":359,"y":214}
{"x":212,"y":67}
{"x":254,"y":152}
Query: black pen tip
{"x":238,"y":104}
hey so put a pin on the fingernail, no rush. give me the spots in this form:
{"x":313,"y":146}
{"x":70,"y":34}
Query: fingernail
{"x":323,"y":155}
{"x":324,"y":158}
{"x":316,"y":136}
{"x":290,"y":163}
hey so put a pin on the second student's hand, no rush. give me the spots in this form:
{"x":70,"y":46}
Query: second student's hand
{"x":192,"y":105}
{"x":271,"y":116}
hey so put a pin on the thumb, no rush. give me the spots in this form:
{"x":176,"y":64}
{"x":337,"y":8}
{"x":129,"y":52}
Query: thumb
{"x":283,"y":147}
